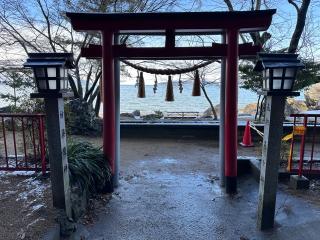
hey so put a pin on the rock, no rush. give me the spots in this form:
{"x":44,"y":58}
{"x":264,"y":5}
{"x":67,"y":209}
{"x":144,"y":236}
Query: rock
{"x":294,"y":106}
{"x":67,"y":225}
{"x":217,"y":108}
{"x":79,"y":200}
{"x":136,"y":113}
{"x":312,"y":96}
{"x":126,"y":115}
{"x":207,"y":113}
{"x":151,"y":116}
{"x":249,"y":109}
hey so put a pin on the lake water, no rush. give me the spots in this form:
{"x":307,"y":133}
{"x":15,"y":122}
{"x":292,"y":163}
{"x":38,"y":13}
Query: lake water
{"x":184,"y":102}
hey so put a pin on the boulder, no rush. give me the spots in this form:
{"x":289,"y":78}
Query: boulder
{"x":136,"y":113}
{"x":249,"y":109}
{"x":153,"y":116}
{"x":126,"y":115}
{"x":207,"y":113}
{"x":217,"y":108}
{"x":294,"y":106}
{"x":312,"y":96}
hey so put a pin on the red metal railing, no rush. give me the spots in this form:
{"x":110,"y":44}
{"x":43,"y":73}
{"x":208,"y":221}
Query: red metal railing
{"x":305,"y":126}
{"x":22,"y":141}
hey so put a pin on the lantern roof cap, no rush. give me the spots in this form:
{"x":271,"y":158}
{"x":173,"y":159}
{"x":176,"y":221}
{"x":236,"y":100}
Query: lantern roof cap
{"x":49,"y":59}
{"x":277,"y":60}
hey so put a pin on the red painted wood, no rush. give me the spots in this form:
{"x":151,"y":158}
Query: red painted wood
{"x":230,"y":138}
{"x":217,"y":50}
{"x":231,"y":22}
{"x":108,"y":91}
{"x":245,"y":21}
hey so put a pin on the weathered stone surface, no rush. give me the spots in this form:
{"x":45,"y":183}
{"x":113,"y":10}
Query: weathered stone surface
{"x":249,"y":109}
{"x":126,"y":115}
{"x":67,"y":225}
{"x":312,"y":96}
{"x":297,"y":182}
{"x":207,"y":113}
{"x":294,"y":106}
{"x":153,"y":116}
{"x":79,"y":200}
{"x":136,"y":113}
{"x":217,"y":108}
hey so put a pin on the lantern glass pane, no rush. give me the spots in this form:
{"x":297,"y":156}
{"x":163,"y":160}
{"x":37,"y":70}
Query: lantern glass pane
{"x":42,"y":84}
{"x":62,"y":84}
{"x":277,"y":72}
{"x":63,"y":72}
{"x":276,"y":83}
{"x":51,"y":72}
{"x":287,"y":84}
{"x":266,"y":73}
{"x":290,"y":72}
{"x":39,"y":72}
{"x":52,"y":84}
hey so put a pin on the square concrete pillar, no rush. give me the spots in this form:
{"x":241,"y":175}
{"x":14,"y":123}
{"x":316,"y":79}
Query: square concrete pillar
{"x":299,"y":182}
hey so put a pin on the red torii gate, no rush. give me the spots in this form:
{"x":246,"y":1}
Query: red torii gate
{"x":229,"y":24}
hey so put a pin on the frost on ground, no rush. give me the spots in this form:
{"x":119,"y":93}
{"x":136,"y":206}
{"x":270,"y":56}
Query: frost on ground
{"x":26,"y":205}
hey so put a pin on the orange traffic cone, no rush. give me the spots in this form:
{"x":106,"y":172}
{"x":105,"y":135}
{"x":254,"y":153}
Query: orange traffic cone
{"x":246,"y":140}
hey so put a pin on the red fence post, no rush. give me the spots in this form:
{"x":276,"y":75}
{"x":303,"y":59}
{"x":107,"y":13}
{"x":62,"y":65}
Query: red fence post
{"x":22,"y":146}
{"x":24,"y":143}
{"x":5,"y":142}
{"x":14,"y":140}
{"x":302,"y":146}
{"x":291,"y":146}
{"x":42,"y":144}
{"x":313,"y":140}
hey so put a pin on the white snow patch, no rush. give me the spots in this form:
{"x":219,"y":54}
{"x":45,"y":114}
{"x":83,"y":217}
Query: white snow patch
{"x":35,"y":189}
{"x":16,"y":173}
{"x":37,"y":207}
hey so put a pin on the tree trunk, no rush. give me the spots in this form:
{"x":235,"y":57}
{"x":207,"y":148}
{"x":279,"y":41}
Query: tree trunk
{"x":262,"y":108}
{"x":257,"y":108}
{"x":215,"y":116}
{"x":301,"y":21}
{"x":97,"y":105}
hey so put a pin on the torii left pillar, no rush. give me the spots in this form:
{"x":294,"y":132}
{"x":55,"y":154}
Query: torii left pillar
{"x":231,"y":111}
{"x":108,"y":96}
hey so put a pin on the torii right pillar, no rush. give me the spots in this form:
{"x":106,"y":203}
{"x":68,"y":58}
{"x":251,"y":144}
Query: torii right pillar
{"x":231,"y":111}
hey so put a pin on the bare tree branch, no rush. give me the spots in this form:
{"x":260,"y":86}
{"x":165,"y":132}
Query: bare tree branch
{"x":301,"y":21}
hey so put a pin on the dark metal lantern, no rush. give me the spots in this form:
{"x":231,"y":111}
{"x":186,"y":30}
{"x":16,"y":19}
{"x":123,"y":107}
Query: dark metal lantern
{"x":279,"y":71}
{"x":50,"y":70}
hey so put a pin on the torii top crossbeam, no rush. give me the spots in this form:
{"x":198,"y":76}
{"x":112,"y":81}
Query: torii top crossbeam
{"x":183,"y":22}
{"x":170,"y":25}
{"x":229,"y":24}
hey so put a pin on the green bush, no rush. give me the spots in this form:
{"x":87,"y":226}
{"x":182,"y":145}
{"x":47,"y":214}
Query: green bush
{"x":81,"y":119}
{"x":88,"y":167}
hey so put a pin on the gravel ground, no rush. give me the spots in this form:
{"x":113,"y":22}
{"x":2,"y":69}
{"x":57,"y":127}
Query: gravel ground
{"x":26,"y":209}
